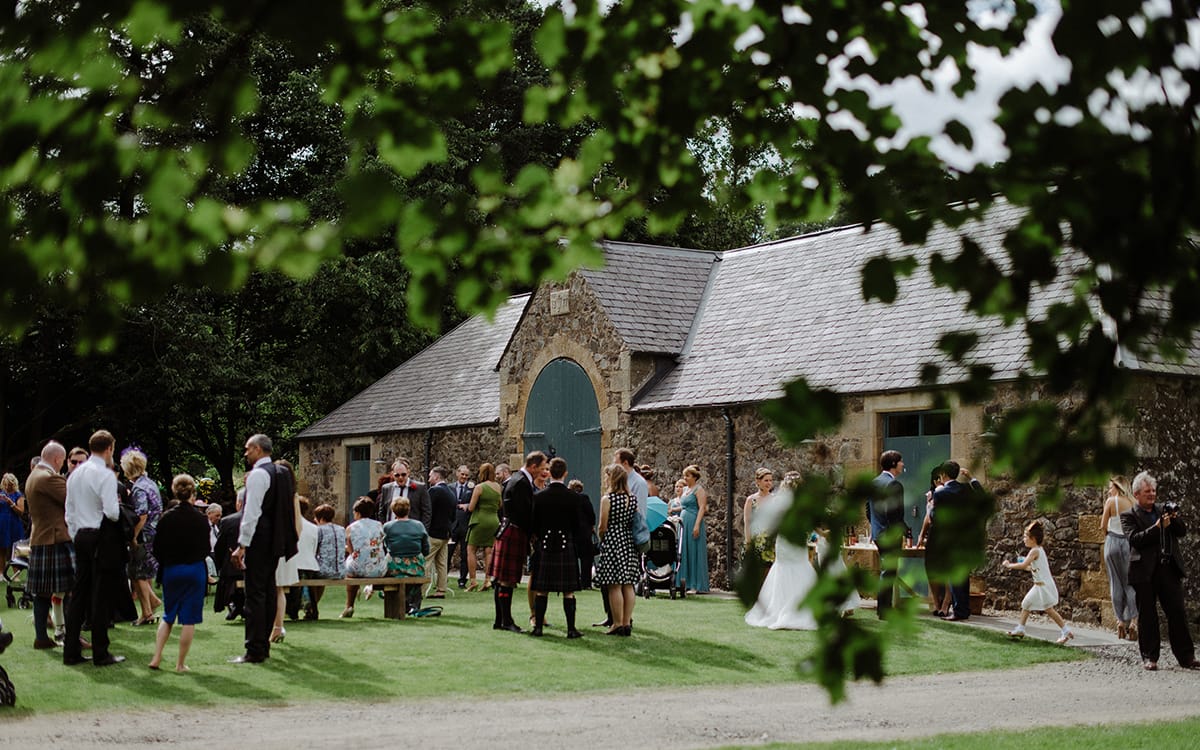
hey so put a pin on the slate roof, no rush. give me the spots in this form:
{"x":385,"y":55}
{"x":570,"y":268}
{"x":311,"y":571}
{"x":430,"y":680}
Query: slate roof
{"x":439,"y":387}
{"x":793,"y":308}
{"x":650,"y":293}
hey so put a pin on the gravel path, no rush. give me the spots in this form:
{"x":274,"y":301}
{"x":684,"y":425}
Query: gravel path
{"x":1056,"y":694}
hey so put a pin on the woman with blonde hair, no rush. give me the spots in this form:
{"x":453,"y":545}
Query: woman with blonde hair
{"x":484,"y":508}
{"x":148,"y":504}
{"x":1116,"y":556}
{"x":618,"y":567}
{"x":693,"y":567}
{"x":12,"y":508}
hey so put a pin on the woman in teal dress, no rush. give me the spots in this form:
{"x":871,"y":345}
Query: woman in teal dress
{"x":484,"y":508}
{"x":693,"y":564}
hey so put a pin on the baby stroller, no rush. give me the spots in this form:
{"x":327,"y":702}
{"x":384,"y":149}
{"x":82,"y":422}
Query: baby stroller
{"x":14,"y":576}
{"x":660,"y":563}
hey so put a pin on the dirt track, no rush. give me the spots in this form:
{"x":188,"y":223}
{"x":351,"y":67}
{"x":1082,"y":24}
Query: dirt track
{"x":1057,"y":694}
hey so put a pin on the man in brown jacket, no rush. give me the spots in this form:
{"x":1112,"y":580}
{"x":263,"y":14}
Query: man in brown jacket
{"x":51,"y":571}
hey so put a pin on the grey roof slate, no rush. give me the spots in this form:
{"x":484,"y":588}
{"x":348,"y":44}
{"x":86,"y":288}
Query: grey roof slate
{"x":651,"y":294}
{"x":793,"y":308}
{"x":451,"y":383}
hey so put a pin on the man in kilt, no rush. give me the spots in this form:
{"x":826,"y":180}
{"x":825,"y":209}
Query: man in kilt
{"x":512,"y":541}
{"x":51,"y":557}
{"x":555,"y":563}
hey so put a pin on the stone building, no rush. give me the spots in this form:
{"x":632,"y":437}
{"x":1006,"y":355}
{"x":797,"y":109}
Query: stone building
{"x":671,"y":351}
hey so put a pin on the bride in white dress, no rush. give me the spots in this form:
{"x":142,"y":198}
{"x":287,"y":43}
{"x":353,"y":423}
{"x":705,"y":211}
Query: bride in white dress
{"x":791,"y":577}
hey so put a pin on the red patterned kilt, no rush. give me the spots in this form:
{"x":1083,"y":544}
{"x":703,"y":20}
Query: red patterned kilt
{"x":509,"y":555}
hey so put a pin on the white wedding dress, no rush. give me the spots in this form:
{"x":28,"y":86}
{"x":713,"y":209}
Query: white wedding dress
{"x":790,"y":579}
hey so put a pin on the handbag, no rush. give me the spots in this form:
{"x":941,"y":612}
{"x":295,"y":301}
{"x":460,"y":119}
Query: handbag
{"x":641,"y":532}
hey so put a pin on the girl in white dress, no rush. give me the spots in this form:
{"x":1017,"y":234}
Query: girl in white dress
{"x":1043,"y":595}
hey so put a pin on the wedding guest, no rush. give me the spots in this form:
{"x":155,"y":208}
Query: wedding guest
{"x":554,"y":565}
{"x":618,"y":567}
{"x":588,"y":541}
{"x":12,"y":509}
{"x":287,"y":570}
{"x":940,"y":598}
{"x":228,"y":595}
{"x":92,"y":513}
{"x":306,"y":559}
{"x":331,"y":554}
{"x":1117,"y":556}
{"x":647,"y":472}
{"x":268,"y":534}
{"x":148,"y":504}
{"x":51,"y":572}
{"x":365,"y":554}
{"x":484,"y":511}
{"x":181,"y":544}
{"x":512,"y":542}
{"x":1157,"y":573}
{"x":407,"y":544}
{"x":693,"y":567}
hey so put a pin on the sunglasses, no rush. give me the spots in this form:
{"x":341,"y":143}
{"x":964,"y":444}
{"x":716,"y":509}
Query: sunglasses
{"x":76,"y":461}
{"x":399,"y":475}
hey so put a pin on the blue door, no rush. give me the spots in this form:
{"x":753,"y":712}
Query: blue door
{"x":562,"y":418}
{"x":923,"y":438}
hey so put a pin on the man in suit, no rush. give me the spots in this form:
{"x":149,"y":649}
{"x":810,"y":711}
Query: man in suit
{"x":93,"y":516}
{"x":51,"y":573}
{"x":442,"y":505}
{"x":228,"y":595}
{"x":959,"y":526}
{"x":512,"y":543}
{"x":886,"y":511}
{"x":403,"y":485}
{"x":267,"y":533}
{"x":1156,"y":573}
{"x":462,"y":488}
{"x":556,"y":541}
{"x":586,"y":548}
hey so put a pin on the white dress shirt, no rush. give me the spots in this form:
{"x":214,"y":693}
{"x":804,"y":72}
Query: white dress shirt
{"x":91,"y":496}
{"x":258,"y":481}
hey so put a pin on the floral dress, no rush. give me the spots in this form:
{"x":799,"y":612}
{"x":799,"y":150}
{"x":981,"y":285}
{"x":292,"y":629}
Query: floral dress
{"x":146,"y":502}
{"x":367,"y":558}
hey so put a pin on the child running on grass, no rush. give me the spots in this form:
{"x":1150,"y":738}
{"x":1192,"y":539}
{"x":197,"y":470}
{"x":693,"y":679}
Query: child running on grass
{"x":1043,"y":595}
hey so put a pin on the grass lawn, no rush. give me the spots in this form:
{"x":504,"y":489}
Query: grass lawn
{"x":1177,"y":734}
{"x":692,"y":642}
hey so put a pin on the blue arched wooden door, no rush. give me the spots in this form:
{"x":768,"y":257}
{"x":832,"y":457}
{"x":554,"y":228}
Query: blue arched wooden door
{"x":562,"y":418}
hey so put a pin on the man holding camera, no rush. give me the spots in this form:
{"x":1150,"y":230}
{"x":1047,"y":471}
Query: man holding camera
{"x":1156,"y":572}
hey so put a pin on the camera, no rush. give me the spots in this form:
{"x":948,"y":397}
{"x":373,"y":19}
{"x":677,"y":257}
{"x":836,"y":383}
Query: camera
{"x":1170,"y":508}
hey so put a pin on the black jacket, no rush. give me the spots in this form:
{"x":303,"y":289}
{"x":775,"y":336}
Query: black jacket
{"x":443,"y":505}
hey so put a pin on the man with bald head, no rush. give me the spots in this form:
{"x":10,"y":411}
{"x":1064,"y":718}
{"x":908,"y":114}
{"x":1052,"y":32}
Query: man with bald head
{"x":51,"y":570}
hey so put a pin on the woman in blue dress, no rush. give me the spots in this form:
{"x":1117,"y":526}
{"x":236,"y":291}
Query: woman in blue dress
{"x":12,"y":508}
{"x":693,"y":565}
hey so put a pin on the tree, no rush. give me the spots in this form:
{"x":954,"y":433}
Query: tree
{"x":110,"y":192}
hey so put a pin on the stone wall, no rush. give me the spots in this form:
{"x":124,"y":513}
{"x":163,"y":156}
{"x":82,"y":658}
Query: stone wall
{"x":327,"y":482}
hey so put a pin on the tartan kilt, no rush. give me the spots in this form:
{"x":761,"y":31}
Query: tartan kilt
{"x":509,"y":555}
{"x":51,"y":569}
{"x":555,"y":569}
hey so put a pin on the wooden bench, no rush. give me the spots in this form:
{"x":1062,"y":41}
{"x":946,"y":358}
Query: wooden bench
{"x":393,"y":589}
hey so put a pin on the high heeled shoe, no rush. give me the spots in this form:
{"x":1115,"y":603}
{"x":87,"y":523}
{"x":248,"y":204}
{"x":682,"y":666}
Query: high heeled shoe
{"x":474,"y":586}
{"x":277,"y":635}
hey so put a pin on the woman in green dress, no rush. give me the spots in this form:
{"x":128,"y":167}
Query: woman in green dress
{"x":485,"y":522}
